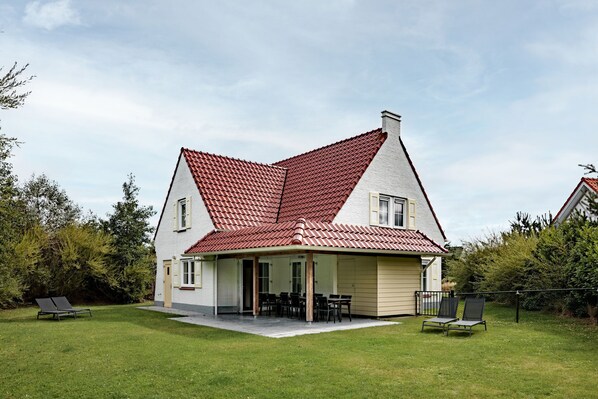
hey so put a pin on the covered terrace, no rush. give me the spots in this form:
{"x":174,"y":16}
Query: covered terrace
{"x":380,"y":267}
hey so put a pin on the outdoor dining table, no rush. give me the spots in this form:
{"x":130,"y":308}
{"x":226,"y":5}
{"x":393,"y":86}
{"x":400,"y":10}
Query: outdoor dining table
{"x":336,"y":301}
{"x":339,"y":302}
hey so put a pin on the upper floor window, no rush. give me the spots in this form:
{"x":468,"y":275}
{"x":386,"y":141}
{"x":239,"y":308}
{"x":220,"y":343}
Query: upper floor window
{"x":182,"y":204}
{"x":181,"y":214}
{"x":391,"y":211}
{"x":387,"y":210}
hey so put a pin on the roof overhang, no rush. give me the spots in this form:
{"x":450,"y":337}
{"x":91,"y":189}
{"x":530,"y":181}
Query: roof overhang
{"x":310,"y":248}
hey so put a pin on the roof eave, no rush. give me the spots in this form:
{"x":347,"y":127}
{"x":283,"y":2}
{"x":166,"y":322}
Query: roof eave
{"x":310,"y":248}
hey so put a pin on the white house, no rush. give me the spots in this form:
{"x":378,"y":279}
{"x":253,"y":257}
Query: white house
{"x":578,"y":200}
{"x":350,"y":218}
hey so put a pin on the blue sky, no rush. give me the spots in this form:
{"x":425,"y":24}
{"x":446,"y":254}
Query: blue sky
{"x":499,"y":99}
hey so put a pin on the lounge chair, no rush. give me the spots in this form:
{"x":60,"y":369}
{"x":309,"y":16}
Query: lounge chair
{"x":472,"y":316}
{"x":47,"y":307}
{"x":63,"y":304}
{"x":447,"y":313}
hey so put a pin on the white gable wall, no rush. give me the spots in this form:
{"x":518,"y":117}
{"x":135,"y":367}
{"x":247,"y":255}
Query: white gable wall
{"x":577,"y":203}
{"x":172,"y":244}
{"x":390,"y":173}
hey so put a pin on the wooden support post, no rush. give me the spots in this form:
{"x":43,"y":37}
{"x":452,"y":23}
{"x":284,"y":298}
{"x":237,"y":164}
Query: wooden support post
{"x":309,"y":292}
{"x":256,"y":295}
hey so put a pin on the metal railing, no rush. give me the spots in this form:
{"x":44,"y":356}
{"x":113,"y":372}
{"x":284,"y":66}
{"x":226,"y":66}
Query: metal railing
{"x":427,"y":302}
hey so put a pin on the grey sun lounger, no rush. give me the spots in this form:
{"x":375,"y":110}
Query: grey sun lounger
{"x":447,"y":313}
{"x":473,"y":314}
{"x":47,"y":307}
{"x":63,"y":304}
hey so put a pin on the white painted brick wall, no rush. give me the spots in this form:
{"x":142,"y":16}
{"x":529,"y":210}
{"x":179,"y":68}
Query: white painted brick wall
{"x":170,"y":243}
{"x":390,"y":173}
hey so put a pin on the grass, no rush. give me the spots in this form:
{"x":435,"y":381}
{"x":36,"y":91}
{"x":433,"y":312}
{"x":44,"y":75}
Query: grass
{"x":124,"y":352}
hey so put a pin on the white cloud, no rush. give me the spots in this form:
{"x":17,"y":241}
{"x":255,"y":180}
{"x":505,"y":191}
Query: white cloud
{"x":51,"y":15}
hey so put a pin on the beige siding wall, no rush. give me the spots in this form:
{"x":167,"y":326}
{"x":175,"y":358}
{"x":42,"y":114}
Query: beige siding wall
{"x":398,"y":279}
{"x":357,"y":276}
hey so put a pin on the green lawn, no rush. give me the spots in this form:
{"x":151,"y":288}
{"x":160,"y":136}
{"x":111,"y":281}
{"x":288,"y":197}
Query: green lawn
{"x":125,"y":352}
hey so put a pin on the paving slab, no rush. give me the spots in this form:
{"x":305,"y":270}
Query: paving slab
{"x":268,"y":326}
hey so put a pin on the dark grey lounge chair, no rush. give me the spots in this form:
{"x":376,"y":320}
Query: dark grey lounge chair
{"x":473,"y":314}
{"x":47,"y":307}
{"x":63,"y":304}
{"x":447,"y":313}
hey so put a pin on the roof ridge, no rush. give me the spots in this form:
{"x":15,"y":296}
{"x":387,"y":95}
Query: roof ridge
{"x":299,"y":230}
{"x":378,"y":130}
{"x":233,"y":158}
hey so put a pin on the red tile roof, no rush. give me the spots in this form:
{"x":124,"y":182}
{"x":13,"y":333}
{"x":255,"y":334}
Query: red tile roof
{"x":236,"y":193}
{"x":319,"y":182}
{"x":593,"y":183}
{"x":317,"y":234}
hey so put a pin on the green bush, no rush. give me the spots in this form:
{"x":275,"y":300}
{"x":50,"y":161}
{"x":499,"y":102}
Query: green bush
{"x":548,"y":256}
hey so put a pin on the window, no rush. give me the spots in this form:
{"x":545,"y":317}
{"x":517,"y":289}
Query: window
{"x":391,"y":211}
{"x":399,"y":212}
{"x":264,"y":277}
{"x":188,"y":272}
{"x":384,"y":205}
{"x":181,"y":214}
{"x":296,"y":274}
{"x":182,"y":211}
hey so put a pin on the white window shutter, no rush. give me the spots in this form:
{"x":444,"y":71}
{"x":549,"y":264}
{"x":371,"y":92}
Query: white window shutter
{"x":374,"y":208}
{"x":198,"y":267}
{"x":411,"y":214}
{"x":176,"y":275}
{"x":175,"y":221}
{"x":188,"y":213}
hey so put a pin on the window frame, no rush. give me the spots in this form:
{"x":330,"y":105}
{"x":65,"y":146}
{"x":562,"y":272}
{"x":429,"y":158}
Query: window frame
{"x":188,"y":276}
{"x":392,"y":202}
{"x":297,"y":280}
{"x":264,"y":278}
{"x":182,"y":214}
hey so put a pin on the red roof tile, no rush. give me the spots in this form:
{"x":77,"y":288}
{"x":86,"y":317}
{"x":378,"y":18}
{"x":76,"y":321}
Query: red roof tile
{"x":236,"y":193}
{"x":593,"y":183}
{"x":319,"y":182}
{"x":317,"y":234}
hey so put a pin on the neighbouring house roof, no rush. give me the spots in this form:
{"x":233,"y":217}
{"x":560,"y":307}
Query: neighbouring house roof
{"x":592,"y":183}
{"x":324,"y":236}
{"x":319,"y":182}
{"x":236,"y":193}
{"x":576,"y":195}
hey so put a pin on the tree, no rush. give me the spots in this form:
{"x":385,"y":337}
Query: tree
{"x":525,"y":225}
{"x":132,"y":263}
{"x":591,"y":202}
{"x":11,"y":225}
{"x":47,"y":204}
{"x":9,"y":85}
{"x":11,"y":210}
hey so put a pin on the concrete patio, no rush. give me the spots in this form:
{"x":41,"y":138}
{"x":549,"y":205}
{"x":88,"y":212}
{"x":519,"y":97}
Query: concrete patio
{"x":266,"y":326}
